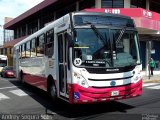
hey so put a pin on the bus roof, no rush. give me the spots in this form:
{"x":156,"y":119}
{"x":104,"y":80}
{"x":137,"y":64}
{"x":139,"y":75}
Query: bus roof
{"x":85,"y":12}
{"x":39,"y":32}
{"x":50,"y":25}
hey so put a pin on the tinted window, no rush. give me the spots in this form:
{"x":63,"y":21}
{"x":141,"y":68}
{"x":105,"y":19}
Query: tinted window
{"x":60,"y":49}
{"x":112,"y":3}
{"x":33,"y":48}
{"x":104,"y":20}
{"x":3,"y":63}
{"x":40,"y":45}
{"x":20,"y":49}
{"x":50,"y":43}
{"x":28,"y":48}
{"x":23,"y":52}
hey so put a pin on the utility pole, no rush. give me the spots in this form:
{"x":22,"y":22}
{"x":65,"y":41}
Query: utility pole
{"x":148,"y":56}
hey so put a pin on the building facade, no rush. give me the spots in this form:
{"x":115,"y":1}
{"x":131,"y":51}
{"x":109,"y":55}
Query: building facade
{"x":146,"y":14}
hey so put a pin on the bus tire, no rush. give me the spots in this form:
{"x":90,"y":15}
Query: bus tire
{"x":52,"y":90}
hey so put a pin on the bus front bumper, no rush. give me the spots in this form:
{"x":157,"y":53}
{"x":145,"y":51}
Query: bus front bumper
{"x":82,"y":95}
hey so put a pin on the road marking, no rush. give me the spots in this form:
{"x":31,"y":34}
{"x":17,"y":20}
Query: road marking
{"x":2,"y":96}
{"x":8,"y":87}
{"x":19,"y":92}
{"x":154,"y":87}
{"x":149,"y":84}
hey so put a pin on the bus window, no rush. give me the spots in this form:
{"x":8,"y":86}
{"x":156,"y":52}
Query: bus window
{"x":126,"y":48}
{"x":3,"y":61}
{"x":50,"y":43}
{"x":20,"y":55}
{"x":40,"y":45}
{"x":23,"y":52}
{"x":33,"y":48}
{"x":28,"y":48}
{"x":60,"y":38}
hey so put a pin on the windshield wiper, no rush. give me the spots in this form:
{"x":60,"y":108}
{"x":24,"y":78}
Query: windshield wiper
{"x":99,"y":35}
{"x":103,"y":39}
{"x":120,"y":35}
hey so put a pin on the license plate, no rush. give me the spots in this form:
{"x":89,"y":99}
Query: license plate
{"x":114,"y":93}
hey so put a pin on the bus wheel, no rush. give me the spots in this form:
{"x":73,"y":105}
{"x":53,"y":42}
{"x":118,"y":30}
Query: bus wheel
{"x":53,"y":92}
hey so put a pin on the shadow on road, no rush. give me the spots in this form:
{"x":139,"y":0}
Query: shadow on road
{"x":71,"y":111}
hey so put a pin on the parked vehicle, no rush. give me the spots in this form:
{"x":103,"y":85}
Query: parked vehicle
{"x":7,"y":71}
{"x":3,"y":61}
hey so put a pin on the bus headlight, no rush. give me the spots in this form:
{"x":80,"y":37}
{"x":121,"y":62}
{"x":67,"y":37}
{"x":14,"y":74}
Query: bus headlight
{"x":80,"y":80}
{"x":136,"y":78}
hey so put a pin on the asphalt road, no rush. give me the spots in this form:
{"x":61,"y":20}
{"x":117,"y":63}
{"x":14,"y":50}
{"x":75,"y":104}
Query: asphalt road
{"x":26,"y":102}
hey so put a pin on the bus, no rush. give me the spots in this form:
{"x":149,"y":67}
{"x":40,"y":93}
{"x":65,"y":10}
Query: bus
{"x":83,"y":57}
{"x":3,"y":61}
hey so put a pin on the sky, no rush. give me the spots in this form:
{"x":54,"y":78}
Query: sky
{"x":14,"y":8}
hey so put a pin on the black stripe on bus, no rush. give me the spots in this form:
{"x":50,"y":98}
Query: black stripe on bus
{"x":110,"y":79}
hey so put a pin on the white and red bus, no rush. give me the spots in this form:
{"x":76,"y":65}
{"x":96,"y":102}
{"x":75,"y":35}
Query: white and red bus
{"x":83,"y":57}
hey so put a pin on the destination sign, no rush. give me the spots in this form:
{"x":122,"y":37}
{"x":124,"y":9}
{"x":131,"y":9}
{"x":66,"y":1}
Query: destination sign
{"x":104,"y":20}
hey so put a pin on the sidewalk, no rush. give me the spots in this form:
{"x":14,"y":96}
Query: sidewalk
{"x":154,"y":78}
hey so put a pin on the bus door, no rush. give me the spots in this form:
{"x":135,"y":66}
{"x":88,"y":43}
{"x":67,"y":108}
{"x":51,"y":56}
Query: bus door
{"x":62,"y":64}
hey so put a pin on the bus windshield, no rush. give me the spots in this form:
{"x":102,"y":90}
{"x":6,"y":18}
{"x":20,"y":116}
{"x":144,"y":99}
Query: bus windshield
{"x":3,"y":63}
{"x":101,"y":47}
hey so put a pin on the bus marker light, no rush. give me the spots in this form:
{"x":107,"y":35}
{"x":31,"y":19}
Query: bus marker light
{"x":84,"y":100}
{"x":104,"y":99}
{"x":134,"y":95}
{"x":119,"y":97}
